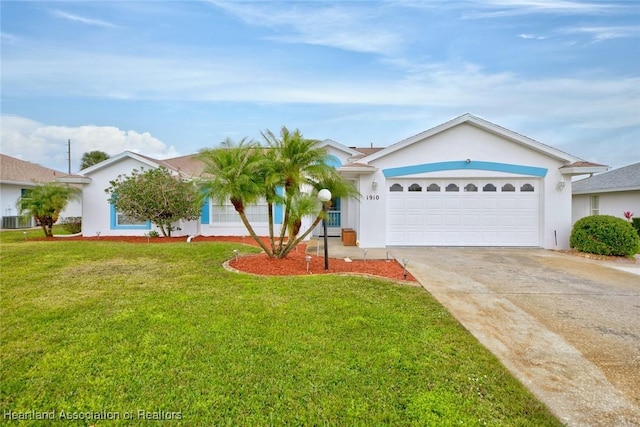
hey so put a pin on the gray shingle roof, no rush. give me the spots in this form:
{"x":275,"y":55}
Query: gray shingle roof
{"x":19,"y":171}
{"x":626,"y":178}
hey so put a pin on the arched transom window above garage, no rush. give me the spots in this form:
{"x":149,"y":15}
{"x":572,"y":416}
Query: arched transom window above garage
{"x":452,"y":188}
{"x":489,"y":188}
{"x":462,"y":186}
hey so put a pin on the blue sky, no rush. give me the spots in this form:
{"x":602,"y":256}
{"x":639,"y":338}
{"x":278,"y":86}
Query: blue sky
{"x":169,"y":78}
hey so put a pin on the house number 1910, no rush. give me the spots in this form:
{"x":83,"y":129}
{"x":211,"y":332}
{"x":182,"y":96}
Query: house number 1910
{"x":373,"y":197}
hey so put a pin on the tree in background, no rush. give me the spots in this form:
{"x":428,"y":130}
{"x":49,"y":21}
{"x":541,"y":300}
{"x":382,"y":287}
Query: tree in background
{"x":45,"y":202}
{"x":91,"y":158}
{"x":155,"y":195}
{"x":289,"y":171}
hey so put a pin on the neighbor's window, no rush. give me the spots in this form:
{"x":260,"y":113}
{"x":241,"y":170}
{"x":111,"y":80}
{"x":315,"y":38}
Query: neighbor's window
{"x":595,"y":205}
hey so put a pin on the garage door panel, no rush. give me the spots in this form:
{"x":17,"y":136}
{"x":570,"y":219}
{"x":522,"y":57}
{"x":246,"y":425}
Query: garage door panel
{"x":481,"y":218}
{"x":415,"y":219}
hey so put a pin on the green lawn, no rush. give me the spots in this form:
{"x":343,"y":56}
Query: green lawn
{"x":148,"y":330}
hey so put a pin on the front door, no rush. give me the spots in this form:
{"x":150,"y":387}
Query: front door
{"x":334,"y":222}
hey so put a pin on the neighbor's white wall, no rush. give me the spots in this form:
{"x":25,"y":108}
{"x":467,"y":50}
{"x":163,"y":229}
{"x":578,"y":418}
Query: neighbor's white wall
{"x":618,"y":202}
{"x":469,"y":142}
{"x":10,"y":193}
{"x":614,"y":203}
{"x":580,"y":207}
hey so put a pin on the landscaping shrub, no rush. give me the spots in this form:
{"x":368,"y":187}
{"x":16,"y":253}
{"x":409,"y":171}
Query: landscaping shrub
{"x":71,"y":224}
{"x":636,"y":224}
{"x":604,"y":235}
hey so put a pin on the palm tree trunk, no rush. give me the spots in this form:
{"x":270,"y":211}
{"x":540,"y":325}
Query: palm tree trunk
{"x":294,"y":243}
{"x":252,"y":232}
{"x":270,"y":212}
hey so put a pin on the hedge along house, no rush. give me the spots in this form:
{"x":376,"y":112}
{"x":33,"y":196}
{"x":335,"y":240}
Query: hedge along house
{"x":466,"y":182}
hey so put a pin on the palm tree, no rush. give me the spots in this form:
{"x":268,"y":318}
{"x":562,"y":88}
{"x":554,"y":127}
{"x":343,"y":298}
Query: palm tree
{"x":289,"y":171}
{"x":92,"y":157}
{"x":232,"y":172}
{"x":297,"y":162}
{"x":45,"y":202}
{"x":300,"y":167}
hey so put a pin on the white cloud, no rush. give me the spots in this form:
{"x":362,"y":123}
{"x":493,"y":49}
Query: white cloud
{"x":602,"y":33}
{"x":341,"y":26}
{"x":82,"y":19}
{"x":507,"y":8}
{"x":32,"y":141}
{"x":531,"y":37}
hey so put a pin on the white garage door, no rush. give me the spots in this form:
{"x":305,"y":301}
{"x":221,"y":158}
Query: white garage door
{"x":463,"y":212}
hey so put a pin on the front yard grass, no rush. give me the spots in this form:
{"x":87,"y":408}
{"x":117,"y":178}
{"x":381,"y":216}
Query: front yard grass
{"x":116,"y":330}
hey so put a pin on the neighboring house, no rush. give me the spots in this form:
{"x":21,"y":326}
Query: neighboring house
{"x":467,"y":182}
{"x":17,"y":177}
{"x":609,"y":193}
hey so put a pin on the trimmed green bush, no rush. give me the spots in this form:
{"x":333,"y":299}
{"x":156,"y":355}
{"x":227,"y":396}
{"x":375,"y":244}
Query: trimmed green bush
{"x":72,"y":224}
{"x":604,"y":235}
{"x":636,"y":224}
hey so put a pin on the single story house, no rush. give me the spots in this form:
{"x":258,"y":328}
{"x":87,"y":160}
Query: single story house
{"x":609,"y":193}
{"x":16,"y":178}
{"x":466,"y":182}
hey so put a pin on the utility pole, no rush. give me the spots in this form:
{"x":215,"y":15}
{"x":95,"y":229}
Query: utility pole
{"x":69,"y":154}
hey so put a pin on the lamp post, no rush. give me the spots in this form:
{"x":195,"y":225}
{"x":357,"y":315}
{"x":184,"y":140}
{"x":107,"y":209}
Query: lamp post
{"x":325,"y":197}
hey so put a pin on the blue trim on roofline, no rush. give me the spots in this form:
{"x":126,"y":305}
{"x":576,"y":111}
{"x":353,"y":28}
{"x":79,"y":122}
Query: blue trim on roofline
{"x":472,"y":165}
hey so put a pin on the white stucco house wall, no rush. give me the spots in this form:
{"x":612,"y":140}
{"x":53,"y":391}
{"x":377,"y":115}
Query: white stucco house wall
{"x":16,"y":177}
{"x":609,"y":193}
{"x":466,"y":182}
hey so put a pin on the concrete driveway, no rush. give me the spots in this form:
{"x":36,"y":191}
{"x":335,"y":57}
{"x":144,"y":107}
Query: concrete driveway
{"x":568,"y":328}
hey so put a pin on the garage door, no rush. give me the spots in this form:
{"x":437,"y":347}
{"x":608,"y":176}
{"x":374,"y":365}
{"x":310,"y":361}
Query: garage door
{"x":463,"y":212}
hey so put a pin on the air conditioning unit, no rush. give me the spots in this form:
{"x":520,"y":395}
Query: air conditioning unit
{"x":15,"y":222}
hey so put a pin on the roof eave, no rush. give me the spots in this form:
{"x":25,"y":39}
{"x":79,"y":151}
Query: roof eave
{"x":74,"y":180}
{"x":582,"y":170}
{"x":482,"y":124}
{"x":604,"y":190}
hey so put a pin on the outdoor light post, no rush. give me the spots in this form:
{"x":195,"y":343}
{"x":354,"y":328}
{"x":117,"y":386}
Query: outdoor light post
{"x":325,"y":197}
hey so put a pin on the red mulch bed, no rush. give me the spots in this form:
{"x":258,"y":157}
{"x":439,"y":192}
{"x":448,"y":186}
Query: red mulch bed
{"x":294,"y":264}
